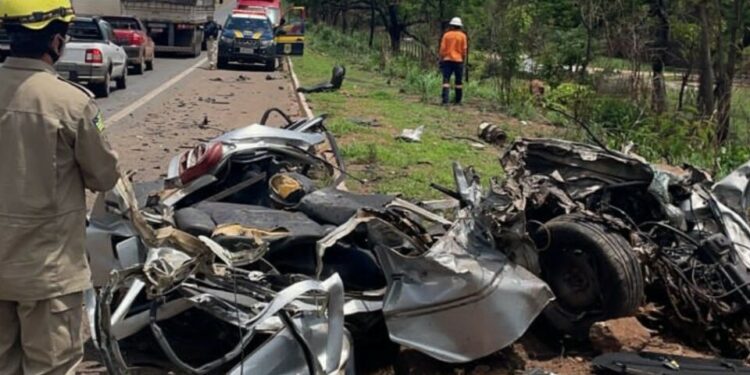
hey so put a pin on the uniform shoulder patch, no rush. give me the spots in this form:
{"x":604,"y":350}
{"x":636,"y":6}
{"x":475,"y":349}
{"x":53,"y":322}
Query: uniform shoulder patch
{"x":79,"y":87}
{"x":98,"y":121}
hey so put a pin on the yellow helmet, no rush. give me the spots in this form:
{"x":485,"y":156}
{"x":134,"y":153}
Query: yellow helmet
{"x":35,"y":14}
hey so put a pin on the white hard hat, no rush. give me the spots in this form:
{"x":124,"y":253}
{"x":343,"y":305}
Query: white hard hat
{"x":456,"y":21}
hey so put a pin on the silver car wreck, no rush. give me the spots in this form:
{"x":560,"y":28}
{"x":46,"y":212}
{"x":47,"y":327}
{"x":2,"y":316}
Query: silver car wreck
{"x":250,"y":237}
{"x":690,"y":235}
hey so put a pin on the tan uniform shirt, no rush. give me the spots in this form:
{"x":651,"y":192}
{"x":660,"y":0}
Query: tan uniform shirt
{"x":50,"y":150}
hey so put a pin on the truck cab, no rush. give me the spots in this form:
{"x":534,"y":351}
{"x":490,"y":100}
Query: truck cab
{"x":247,"y":37}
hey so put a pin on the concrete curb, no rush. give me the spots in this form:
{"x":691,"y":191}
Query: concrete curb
{"x":301,"y":99}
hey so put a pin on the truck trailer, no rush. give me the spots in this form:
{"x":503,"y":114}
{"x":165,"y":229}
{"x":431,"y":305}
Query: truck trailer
{"x":176,"y":26}
{"x":97,"y":7}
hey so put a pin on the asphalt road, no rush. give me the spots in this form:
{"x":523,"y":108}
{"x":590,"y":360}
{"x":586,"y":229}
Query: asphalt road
{"x":165,"y":68}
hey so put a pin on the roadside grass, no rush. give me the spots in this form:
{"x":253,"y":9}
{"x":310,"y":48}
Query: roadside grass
{"x":371,"y":110}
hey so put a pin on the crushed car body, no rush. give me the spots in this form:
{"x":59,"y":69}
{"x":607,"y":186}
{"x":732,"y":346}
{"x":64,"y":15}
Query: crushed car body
{"x":252,"y":235}
{"x":691,"y":235}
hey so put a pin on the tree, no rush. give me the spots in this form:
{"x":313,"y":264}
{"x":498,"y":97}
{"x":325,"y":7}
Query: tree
{"x":732,"y":43}
{"x":705,"y":63}
{"x":658,"y":55}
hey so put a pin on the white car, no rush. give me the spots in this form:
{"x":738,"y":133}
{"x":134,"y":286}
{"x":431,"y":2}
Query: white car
{"x":92,"y":58}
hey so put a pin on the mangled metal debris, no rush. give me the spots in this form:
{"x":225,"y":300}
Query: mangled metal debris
{"x":691,"y":236}
{"x":243,"y":220}
{"x":252,"y":235}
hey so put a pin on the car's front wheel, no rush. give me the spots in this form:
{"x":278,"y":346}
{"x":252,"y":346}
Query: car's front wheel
{"x":222,"y":62}
{"x":593,"y":272}
{"x":271,"y":65}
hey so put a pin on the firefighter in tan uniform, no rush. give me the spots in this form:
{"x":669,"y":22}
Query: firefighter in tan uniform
{"x":50,"y":151}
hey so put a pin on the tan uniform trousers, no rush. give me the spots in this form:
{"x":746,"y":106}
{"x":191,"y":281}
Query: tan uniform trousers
{"x":41,"y":337}
{"x":212,"y":45}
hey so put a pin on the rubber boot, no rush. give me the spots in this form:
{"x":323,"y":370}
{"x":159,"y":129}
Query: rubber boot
{"x":446,"y":95}
{"x":459,"y":96}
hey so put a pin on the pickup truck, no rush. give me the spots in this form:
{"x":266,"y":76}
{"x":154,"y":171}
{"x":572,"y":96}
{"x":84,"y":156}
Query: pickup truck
{"x":92,"y":57}
{"x":132,"y":36}
{"x":247,"y":37}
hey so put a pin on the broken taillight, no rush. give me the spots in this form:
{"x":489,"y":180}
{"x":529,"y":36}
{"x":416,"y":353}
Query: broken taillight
{"x":199,"y":161}
{"x":94,"y":56}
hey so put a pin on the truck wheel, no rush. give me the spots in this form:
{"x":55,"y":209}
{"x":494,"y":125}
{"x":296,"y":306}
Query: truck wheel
{"x":122,"y":82}
{"x":593,"y":272}
{"x":102,"y":90}
{"x":197,"y":49}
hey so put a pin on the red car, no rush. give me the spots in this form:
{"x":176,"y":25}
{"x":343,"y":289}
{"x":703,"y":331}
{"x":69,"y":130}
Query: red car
{"x":133,"y":37}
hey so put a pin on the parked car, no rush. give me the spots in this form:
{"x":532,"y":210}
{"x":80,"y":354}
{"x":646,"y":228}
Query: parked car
{"x":4,"y":44}
{"x":92,"y":57}
{"x":247,"y":37}
{"x":132,"y":36}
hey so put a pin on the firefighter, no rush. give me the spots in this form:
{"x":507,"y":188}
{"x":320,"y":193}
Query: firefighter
{"x":50,"y":151}
{"x":453,"y":49}
{"x":211,"y":31}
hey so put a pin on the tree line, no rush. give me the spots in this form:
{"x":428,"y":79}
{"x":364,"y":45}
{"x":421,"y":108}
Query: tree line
{"x":703,"y":39}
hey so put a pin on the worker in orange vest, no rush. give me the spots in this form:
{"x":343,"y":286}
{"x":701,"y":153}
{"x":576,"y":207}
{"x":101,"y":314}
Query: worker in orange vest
{"x":453,"y":49}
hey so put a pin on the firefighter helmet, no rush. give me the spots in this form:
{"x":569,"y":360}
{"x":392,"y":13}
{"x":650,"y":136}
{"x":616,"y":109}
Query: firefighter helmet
{"x":35,"y":14}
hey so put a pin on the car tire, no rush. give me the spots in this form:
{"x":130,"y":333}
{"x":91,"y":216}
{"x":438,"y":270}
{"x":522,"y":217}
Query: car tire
{"x":103,"y":89}
{"x":271,"y":65}
{"x":593,"y":272}
{"x":140,"y":67}
{"x":222,"y":63}
{"x":150,"y":64}
{"x":122,"y":82}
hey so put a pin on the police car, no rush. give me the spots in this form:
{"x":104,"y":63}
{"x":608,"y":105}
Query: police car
{"x":247,"y":37}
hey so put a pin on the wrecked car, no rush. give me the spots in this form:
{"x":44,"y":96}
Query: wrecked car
{"x":690,"y":236}
{"x":259,"y":208}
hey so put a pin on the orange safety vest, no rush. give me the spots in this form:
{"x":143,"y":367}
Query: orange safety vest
{"x":453,"y":46}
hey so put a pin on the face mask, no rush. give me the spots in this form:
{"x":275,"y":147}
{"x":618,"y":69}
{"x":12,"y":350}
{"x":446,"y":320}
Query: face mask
{"x":55,"y":54}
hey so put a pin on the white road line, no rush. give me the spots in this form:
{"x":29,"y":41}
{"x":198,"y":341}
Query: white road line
{"x":148,"y":97}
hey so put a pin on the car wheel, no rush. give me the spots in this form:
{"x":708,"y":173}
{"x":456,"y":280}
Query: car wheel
{"x":140,"y":67}
{"x":593,"y":272}
{"x":103,"y":89}
{"x":150,"y":64}
{"x":222,"y":63}
{"x":122,"y":82}
{"x":271,"y":65}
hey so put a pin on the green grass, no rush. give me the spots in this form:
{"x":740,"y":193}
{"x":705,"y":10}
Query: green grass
{"x":372,"y":152}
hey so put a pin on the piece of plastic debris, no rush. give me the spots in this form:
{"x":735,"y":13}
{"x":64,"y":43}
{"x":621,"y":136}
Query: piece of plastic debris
{"x":412,"y":135}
